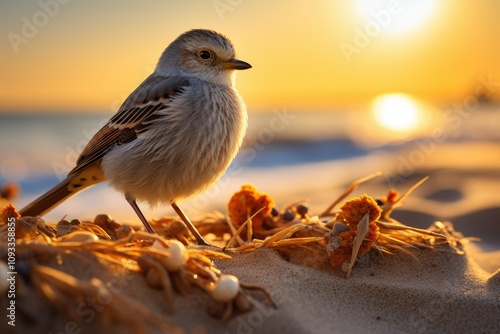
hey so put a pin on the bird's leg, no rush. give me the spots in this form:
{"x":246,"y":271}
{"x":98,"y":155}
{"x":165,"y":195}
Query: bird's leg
{"x":189,"y":225}
{"x":141,"y":216}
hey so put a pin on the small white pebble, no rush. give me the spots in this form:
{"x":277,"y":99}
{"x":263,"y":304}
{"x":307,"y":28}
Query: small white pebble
{"x":226,"y":288}
{"x":159,"y":245}
{"x":4,"y":285}
{"x":124,"y":231}
{"x":178,"y":254}
{"x":345,"y":266}
{"x":80,"y":236}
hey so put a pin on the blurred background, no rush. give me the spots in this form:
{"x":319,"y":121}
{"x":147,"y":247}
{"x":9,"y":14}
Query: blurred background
{"x":338,"y":90}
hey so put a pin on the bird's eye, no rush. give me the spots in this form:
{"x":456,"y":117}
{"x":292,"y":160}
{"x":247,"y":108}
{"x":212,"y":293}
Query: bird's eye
{"x":205,"y":54}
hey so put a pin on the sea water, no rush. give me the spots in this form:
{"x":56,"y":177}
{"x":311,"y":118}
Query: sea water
{"x":281,"y":148}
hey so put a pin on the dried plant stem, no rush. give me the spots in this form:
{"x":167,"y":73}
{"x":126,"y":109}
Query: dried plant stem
{"x":240,"y":229}
{"x":349,"y":190}
{"x":358,"y":240}
{"x":61,"y":289}
{"x":401,"y":198}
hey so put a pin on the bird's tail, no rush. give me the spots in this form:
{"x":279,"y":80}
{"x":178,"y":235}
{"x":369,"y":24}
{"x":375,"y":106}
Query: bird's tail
{"x":49,"y":200}
{"x":74,"y":183}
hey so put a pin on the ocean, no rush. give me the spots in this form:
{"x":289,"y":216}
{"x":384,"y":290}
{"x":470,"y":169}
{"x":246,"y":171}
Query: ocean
{"x":38,"y":150}
{"x":282,"y":147}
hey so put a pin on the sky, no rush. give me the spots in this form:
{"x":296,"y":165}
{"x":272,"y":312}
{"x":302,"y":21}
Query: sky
{"x":87,"y":56}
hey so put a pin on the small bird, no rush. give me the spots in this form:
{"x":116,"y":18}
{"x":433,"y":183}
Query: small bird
{"x":174,"y":136}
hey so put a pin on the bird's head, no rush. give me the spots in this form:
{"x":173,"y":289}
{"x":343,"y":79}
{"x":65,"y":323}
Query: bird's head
{"x":204,"y":54}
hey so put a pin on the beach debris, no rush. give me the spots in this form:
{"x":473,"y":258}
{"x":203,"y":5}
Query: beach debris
{"x":79,"y":236}
{"x":68,"y":293}
{"x":157,"y":276}
{"x":165,"y":264}
{"x":172,"y":228}
{"x":361,"y":224}
{"x":9,"y":211}
{"x":25,"y":227}
{"x":175,"y":266}
{"x":248,"y":201}
{"x":107,"y":223}
{"x":348,"y":191}
{"x":177,"y":254}
{"x":229,"y":295}
{"x":302,"y":210}
{"x":356,"y":234}
{"x":288,"y":215}
{"x":64,"y":227}
{"x":124,"y":231}
{"x":393,"y":200}
{"x":225,"y":288}
{"x":346,"y":230}
{"x":355,"y":209}
{"x":9,"y":191}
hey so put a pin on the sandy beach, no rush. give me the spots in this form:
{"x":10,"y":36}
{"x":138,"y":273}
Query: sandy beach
{"x":436,"y":291}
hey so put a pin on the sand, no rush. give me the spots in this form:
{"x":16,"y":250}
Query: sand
{"x":440,"y":292}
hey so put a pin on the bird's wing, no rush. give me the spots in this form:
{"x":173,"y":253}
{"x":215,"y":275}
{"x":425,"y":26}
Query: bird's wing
{"x":154,"y":94}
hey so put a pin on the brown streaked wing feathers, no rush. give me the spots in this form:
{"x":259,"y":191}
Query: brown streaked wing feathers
{"x":153,"y":94}
{"x":102,"y":142}
{"x":136,"y":106}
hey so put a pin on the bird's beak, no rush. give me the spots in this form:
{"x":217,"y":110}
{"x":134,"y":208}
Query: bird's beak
{"x":236,"y":64}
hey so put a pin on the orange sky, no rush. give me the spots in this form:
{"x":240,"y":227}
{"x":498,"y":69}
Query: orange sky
{"x":87,"y":56}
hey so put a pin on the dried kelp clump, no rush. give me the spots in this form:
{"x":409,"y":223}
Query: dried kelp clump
{"x":347,"y":229}
{"x":165,"y":264}
{"x":249,"y":203}
{"x":357,"y":233}
{"x":360,"y":225}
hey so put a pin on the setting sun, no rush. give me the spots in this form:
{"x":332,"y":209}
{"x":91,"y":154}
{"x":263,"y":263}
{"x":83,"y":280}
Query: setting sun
{"x":396,"y":112}
{"x":394,"y":118}
{"x":397,"y":17}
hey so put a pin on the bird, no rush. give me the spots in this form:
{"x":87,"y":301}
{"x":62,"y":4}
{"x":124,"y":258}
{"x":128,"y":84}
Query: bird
{"x":173,"y":136}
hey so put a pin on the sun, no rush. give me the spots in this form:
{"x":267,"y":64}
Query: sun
{"x":392,"y":119}
{"x":396,"y":112}
{"x":397,"y":17}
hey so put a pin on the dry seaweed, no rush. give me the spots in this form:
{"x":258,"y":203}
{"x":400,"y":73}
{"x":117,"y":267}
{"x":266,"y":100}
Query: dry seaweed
{"x":342,"y":233}
{"x":359,"y":225}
